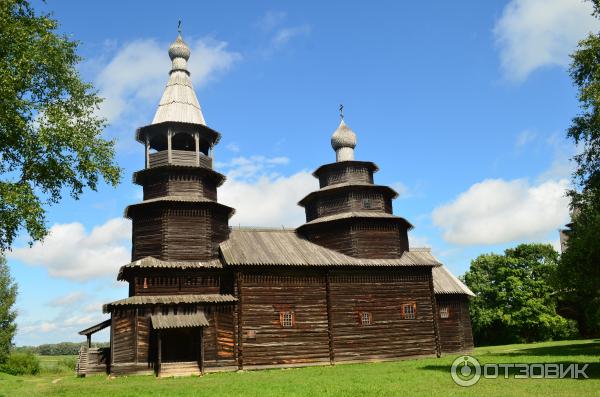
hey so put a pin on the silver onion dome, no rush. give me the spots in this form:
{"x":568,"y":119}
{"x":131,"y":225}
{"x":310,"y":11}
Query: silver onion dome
{"x":343,"y":141}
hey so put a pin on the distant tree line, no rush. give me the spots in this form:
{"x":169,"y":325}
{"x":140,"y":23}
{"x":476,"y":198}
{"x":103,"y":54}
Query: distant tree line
{"x":56,"y":349}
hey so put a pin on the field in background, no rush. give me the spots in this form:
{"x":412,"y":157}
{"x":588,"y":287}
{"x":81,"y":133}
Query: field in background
{"x":411,"y":377}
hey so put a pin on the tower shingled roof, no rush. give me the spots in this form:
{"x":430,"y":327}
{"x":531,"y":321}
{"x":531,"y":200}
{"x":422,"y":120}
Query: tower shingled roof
{"x":179,"y":102}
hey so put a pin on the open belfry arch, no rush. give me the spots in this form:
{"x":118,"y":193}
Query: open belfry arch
{"x":203,"y":296}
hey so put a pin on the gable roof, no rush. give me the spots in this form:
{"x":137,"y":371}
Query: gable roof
{"x":445,"y":282}
{"x":284,"y":247}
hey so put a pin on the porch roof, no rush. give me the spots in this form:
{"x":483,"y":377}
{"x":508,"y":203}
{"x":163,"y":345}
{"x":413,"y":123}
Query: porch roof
{"x":139,"y":300}
{"x":95,"y":328}
{"x":166,"y":321}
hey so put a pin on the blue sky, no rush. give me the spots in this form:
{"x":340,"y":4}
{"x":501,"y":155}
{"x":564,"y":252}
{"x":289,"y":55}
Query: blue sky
{"x":463,"y":105}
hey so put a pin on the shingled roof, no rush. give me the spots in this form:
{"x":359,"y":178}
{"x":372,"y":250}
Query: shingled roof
{"x":153,"y":263}
{"x":446,"y":283}
{"x":166,"y":321}
{"x":284,"y":247}
{"x":139,"y":300}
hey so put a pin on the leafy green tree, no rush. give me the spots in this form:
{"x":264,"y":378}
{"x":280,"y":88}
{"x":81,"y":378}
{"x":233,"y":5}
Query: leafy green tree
{"x":8,"y":296}
{"x":578,"y":277}
{"x":514,"y":298}
{"x":50,"y":131}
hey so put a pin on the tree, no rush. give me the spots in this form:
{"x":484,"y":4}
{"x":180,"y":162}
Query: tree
{"x":8,"y":296}
{"x":514,"y":299}
{"x":50,"y":131}
{"x":578,"y":277}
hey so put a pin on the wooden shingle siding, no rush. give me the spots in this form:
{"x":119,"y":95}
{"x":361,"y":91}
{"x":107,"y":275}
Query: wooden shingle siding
{"x":355,"y":173}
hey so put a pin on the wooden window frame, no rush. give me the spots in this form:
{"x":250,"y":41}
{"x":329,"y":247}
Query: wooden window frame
{"x":291,"y":323}
{"x":446,"y":312}
{"x":404,"y":311}
{"x":368,"y":316}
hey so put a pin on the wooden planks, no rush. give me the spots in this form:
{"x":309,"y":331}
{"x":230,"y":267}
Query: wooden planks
{"x":123,"y":325}
{"x":265,"y":341}
{"x":381,"y":295}
{"x":455,"y":331}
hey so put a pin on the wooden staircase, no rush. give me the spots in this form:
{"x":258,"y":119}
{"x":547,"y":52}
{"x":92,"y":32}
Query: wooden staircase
{"x":186,"y":368}
{"x":82,"y":361}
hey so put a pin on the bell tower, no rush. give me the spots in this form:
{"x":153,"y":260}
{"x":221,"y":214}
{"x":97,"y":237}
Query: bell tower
{"x":179,"y":218}
{"x":349,"y":213}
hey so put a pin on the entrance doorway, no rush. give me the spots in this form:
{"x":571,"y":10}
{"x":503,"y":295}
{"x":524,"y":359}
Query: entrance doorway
{"x":181,"y":344}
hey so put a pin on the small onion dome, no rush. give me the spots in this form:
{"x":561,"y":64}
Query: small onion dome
{"x":343,"y":142}
{"x":343,"y":137}
{"x":179,"y":53}
{"x":179,"y":49}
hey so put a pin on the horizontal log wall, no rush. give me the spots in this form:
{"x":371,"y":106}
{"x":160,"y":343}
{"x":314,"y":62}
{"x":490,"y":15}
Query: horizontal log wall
{"x":265,"y":341}
{"x":338,"y":238}
{"x":455,"y":331}
{"x":382,"y":238}
{"x":382,"y":295}
{"x":147,"y":234}
{"x":153,"y":282}
{"x":379,"y":239}
{"x":180,"y":182}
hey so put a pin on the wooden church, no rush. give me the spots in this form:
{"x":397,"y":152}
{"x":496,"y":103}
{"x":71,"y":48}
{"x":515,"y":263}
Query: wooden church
{"x":203,"y":296}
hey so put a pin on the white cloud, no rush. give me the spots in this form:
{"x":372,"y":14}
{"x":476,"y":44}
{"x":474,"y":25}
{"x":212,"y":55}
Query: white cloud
{"x":68,"y":299}
{"x":233,"y":147}
{"x":272,"y":23}
{"x":262,"y":196}
{"x":284,"y":35}
{"x":418,"y":241}
{"x":497,"y":211}
{"x":271,"y":20}
{"x":525,"y":137}
{"x":70,"y":252}
{"x":139,"y":70}
{"x":536,"y":33}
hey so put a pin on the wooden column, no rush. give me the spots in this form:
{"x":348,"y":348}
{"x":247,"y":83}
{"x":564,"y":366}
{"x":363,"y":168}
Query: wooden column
{"x":89,"y":340}
{"x":436,"y":328}
{"x":197,"y":139}
{"x":159,"y":352}
{"x":202,"y":350}
{"x":135,"y":335}
{"x":329,"y":319}
{"x":169,"y":146}
{"x":239,"y":282}
{"x":147,"y":152}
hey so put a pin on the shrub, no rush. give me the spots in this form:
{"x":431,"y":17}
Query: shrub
{"x":21,"y":364}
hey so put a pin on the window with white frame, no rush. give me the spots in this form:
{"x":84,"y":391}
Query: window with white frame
{"x":366,"y":318}
{"x":409,"y":311}
{"x":444,"y":312}
{"x":286,"y":319}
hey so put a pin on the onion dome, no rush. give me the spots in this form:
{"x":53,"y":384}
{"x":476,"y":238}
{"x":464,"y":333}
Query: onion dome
{"x":343,"y":141}
{"x":179,"y":53}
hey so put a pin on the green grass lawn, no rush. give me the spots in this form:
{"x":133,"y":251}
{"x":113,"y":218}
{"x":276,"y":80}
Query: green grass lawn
{"x":410,"y":377}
